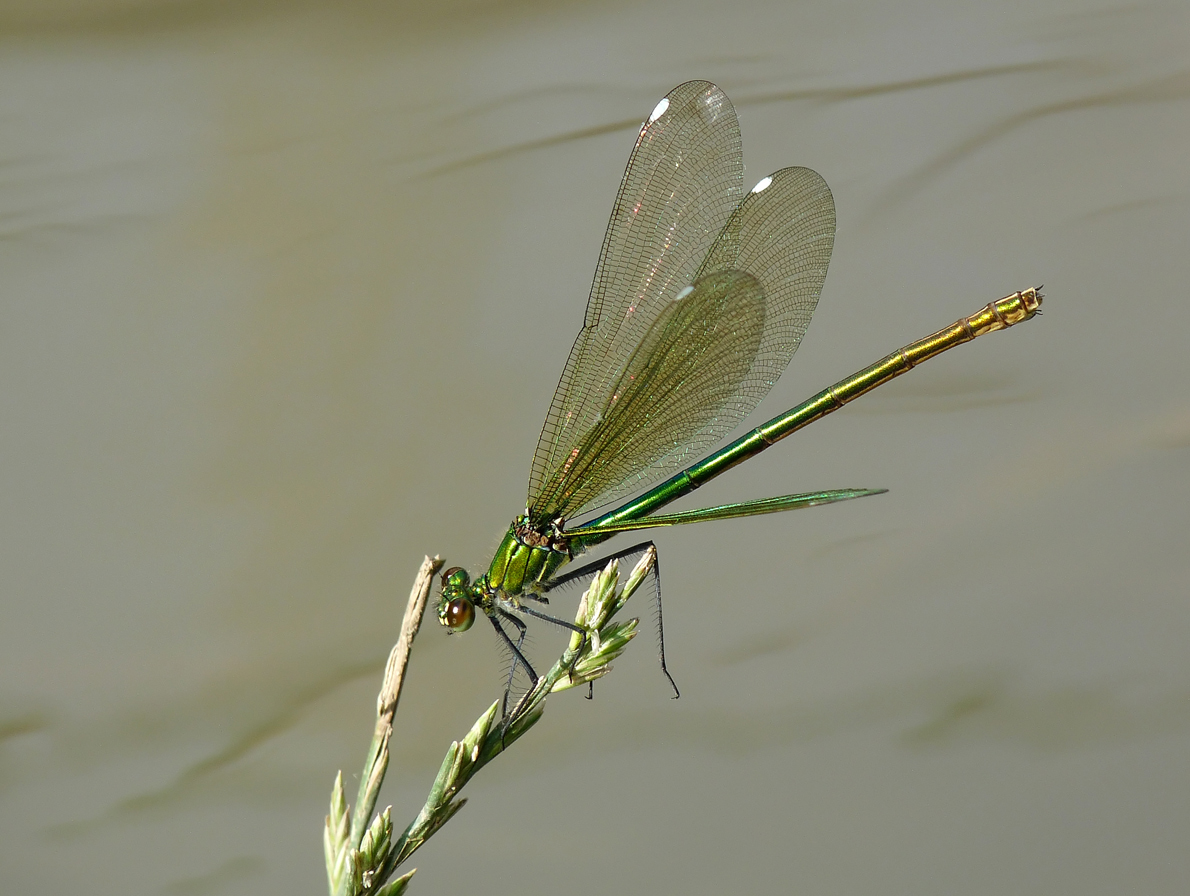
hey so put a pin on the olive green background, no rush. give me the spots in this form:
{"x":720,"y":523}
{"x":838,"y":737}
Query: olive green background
{"x":285,"y":288}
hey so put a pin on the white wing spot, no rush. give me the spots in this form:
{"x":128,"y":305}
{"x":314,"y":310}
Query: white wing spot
{"x":685,"y":292}
{"x":764,"y":184}
{"x":659,"y":109}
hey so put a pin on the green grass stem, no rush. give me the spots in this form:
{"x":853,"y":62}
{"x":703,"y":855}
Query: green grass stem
{"x":361,"y":858}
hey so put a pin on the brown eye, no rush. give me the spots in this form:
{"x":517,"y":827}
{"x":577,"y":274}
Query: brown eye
{"x":458,"y":614}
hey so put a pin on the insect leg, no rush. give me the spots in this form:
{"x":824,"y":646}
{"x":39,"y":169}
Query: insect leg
{"x":661,"y":626}
{"x":589,"y":569}
{"x":636,"y":550}
{"x":518,"y":657}
{"x":570,"y":625}
{"x":554,"y":620}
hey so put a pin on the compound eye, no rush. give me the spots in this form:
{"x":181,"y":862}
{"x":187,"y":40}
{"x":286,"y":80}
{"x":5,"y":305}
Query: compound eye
{"x":458,"y":614}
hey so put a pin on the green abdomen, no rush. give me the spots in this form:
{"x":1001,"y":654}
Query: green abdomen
{"x":519,"y":567}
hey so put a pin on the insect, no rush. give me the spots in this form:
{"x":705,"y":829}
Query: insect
{"x":701,"y":297}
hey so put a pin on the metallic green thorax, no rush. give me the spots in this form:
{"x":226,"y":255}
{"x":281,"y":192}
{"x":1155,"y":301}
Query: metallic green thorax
{"x":527,"y":558}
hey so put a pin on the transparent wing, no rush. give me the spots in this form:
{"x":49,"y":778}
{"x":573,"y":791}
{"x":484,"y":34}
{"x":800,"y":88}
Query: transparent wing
{"x":683,"y":386}
{"x":782,"y":234}
{"x":608,"y":435}
{"x":683,"y":180}
{"x":775,"y":246}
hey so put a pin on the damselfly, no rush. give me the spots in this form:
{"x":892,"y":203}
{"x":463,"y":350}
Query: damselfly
{"x":701,"y":296}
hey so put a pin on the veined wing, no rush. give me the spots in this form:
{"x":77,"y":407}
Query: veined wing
{"x":782,"y":234}
{"x":683,"y":180}
{"x":774,"y":250}
{"x":684,"y":384}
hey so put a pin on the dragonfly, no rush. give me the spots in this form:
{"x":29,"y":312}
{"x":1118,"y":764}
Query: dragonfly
{"x":701,"y":296}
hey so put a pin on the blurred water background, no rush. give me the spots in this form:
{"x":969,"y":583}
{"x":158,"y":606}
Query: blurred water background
{"x":285,"y":288}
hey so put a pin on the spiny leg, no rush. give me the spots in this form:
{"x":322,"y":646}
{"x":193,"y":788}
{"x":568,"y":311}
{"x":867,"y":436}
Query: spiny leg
{"x":660,"y":624}
{"x":507,"y":614}
{"x":518,"y":657}
{"x":591,"y":568}
{"x":564,"y":624}
{"x":553,"y":619}
{"x":512,"y":666}
{"x":523,"y":630}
